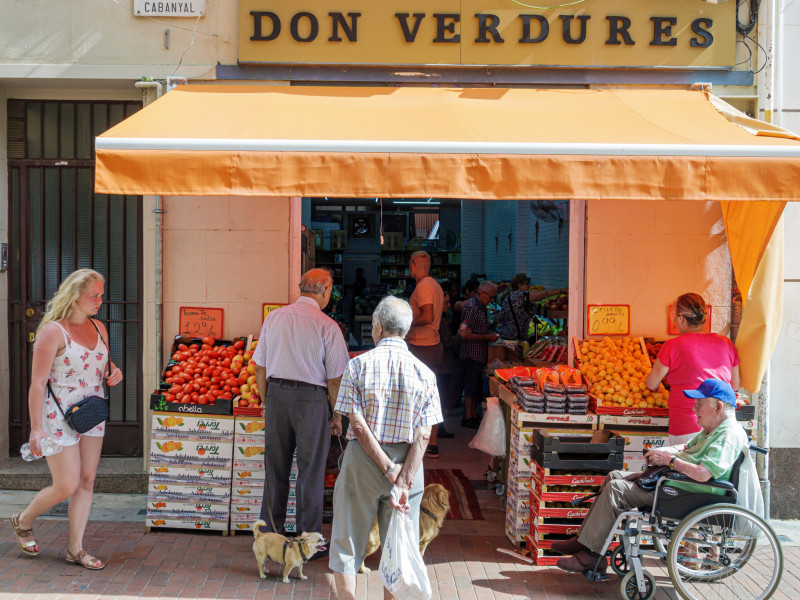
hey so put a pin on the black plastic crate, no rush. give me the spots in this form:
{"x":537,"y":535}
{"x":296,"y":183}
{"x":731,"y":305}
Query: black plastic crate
{"x":221,"y":407}
{"x":545,"y":442}
{"x":746,"y":413}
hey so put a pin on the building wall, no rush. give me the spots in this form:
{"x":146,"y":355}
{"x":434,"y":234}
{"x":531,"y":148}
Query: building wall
{"x":646,"y":254}
{"x":500,"y":239}
{"x":472,"y":237}
{"x":544,"y":258}
{"x":225,"y":252}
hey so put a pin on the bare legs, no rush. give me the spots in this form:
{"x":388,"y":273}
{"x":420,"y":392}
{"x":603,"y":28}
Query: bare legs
{"x":346,"y":587}
{"x":73,"y":471}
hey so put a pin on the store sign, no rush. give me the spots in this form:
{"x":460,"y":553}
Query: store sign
{"x":194,"y":8}
{"x":609,"y":319}
{"x":200,"y":321}
{"x":612,"y":33}
{"x":268,"y":308}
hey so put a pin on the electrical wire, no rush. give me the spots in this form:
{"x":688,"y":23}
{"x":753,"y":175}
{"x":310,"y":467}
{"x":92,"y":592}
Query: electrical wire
{"x":753,"y":6}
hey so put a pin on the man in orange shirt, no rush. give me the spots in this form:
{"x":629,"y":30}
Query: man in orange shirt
{"x":423,"y":341}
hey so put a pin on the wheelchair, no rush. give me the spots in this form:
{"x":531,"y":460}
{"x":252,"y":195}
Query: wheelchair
{"x":712,"y":547}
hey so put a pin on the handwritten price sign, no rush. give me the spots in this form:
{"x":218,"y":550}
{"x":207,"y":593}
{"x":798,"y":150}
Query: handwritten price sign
{"x":609,"y":319}
{"x":268,"y":308}
{"x":200,"y":322}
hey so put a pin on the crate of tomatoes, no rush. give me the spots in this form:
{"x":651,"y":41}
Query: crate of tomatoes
{"x":204,"y":376}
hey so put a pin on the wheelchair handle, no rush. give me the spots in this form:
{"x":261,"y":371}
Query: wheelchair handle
{"x":759,"y":449}
{"x":578,"y":501}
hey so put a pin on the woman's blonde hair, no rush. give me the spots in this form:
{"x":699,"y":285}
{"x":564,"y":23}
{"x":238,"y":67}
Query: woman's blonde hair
{"x":63,"y":303}
{"x":693,"y":308}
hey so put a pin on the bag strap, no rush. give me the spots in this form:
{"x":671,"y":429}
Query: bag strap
{"x":516,"y":320}
{"x":58,"y":404}
{"x":108,"y":362}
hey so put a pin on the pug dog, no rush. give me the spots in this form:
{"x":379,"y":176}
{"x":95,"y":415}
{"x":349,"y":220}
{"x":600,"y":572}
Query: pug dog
{"x":290,"y":552}
{"x":434,"y":507}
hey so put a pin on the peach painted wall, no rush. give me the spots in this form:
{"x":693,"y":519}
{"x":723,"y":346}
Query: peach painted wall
{"x":648,"y":253}
{"x":225,"y":252}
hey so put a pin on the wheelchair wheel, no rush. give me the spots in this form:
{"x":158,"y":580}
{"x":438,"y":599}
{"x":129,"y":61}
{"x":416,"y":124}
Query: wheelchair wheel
{"x":618,"y":561}
{"x":630,"y":591}
{"x":724,"y":551}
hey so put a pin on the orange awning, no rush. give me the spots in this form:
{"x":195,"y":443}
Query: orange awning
{"x":450,"y":143}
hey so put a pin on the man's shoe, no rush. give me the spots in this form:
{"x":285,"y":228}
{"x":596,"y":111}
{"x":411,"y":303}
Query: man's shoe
{"x":581,"y":562}
{"x":444,"y":434}
{"x":570,"y":546}
{"x":432,"y":451}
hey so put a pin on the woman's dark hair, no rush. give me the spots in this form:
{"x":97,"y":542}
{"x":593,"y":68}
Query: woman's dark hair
{"x":518,"y":280}
{"x":693,"y":308}
{"x":471,"y":285}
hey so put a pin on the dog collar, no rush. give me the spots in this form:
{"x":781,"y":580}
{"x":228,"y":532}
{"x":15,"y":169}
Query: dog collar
{"x":430,"y":514}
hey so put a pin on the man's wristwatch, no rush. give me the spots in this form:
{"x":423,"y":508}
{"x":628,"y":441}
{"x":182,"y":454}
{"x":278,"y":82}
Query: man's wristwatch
{"x":672,"y":463}
{"x":389,"y":471}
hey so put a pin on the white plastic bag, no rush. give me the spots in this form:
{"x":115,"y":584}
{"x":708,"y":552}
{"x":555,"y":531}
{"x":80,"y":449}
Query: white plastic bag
{"x":402,"y":569}
{"x":748,"y":494}
{"x":491,"y":436}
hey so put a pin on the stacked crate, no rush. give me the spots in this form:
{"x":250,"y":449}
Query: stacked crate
{"x":189,"y":483}
{"x":518,"y":484}
{"x":248,"y":476}
{"x":641,"y":432}
{"x":565,"y":467}
{"x":248,"y":472}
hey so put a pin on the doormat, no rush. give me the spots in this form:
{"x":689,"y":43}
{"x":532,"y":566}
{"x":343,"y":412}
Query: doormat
{"x":463,"y":501}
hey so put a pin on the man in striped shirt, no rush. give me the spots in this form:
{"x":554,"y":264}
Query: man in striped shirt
{"x":302,"y":353}
{"x":392,"y":401}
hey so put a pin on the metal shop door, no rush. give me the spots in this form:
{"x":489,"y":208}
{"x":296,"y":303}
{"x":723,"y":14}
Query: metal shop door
{"x":58,"y":224}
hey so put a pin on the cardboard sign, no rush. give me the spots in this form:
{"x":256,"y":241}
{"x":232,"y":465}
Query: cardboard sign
{"x":268,"y":308}
{"x":200,"y":321}
{"x":672,"y":325}
{"x":609,"y":319}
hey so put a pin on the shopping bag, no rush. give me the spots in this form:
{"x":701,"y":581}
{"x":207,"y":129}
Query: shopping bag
{"x":748,"y":495}
{"x":402,"y":570}
{"x":491,"y":435}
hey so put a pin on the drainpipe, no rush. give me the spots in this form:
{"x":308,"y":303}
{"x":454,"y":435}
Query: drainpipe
{"x":777,"y":68}
{"x":768,"y":24}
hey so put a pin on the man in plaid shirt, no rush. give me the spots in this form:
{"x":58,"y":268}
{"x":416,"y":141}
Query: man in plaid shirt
{"x":392,"y":401}
{"x":474,"y":350}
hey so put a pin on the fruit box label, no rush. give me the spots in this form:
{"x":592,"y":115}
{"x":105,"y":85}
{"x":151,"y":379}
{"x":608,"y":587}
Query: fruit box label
{"x":211,"y":424}
{"x":167,"y":507}
{"x":247,"y":451}
{"x":208,"y":524}
{"x":253,"y":500}
{"x":190,"y":448}
{"x":249,"y":465}
{"x":188,"y":491}
{"x":249,"y":483}
{"x":249,"y":426}
{"x":249,"y":474}
{"x":166,"y":471}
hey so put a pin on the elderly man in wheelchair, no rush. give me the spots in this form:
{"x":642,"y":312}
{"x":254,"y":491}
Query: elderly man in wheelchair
{"x":690,"y":512}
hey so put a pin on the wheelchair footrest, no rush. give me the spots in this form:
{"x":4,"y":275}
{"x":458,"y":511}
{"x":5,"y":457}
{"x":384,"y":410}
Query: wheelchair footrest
{"x":595,"y":576}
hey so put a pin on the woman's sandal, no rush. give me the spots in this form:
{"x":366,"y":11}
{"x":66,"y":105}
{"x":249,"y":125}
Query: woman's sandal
{"x":30,"y":548}
{"x":77,"y":559}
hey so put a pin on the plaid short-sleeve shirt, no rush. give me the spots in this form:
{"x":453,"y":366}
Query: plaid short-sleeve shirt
{"x":394,"y":392}
{"x":476,"y":317}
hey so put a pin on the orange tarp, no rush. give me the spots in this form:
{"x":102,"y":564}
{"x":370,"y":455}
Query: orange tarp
{"x":450,"y":143}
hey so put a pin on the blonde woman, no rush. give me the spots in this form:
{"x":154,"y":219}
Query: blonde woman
{"x":687,"y":361}
{"x":71,"y":353}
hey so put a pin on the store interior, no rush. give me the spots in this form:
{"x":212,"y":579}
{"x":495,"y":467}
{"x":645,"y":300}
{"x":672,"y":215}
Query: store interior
{"x":366,"y":245}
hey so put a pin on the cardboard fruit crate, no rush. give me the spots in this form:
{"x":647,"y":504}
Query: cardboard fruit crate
{"x":218,"y":425}
{"x":159,"y":404}
{"x":182,"y":472}
{"x":563,"y":527}
{"x":521,"y":419}
{"x":542,"y":510}
{"x":190,"y":491}
{"x":248,"y":426}
{"x":577,"y":462}
{"x":190,"y":447}
{"x":558,"y":493}
{"x":201,"y":524}
{"x":635,"y":421}
{"x":557,"y":477}
{"x":185,"y":508}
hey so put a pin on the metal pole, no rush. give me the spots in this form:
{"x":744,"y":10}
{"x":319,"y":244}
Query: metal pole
{"x":762,"y":439}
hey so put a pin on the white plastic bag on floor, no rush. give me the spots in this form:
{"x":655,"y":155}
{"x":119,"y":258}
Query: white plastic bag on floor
{"x":748,"y":495}
{"x":402,"y":570}
{"x":491,"y":436}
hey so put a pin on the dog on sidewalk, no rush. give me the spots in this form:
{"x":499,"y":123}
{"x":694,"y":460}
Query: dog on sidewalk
{"x":434,"y":507}
{"x":289,"y":552}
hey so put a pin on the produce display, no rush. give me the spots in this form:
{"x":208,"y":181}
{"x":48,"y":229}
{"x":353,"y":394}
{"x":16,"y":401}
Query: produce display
{"x":202,"y":373}
{"x":615,"y":370}
{"x":551,"y":349}
{"x":653,"y":348}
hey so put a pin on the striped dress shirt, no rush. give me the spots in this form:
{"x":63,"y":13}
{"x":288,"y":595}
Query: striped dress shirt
{"x":301,"y":343}
{"x":393,"y":390}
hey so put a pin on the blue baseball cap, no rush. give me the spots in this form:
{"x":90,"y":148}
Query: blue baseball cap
{"x":713,"y":388}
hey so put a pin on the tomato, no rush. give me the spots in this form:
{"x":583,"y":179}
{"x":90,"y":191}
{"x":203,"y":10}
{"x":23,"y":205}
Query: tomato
{"x":183,"y":347}
{"x":203,"y":399}
{"x":174,"y":389}
{"x":226,"y":388}
{"x":195,"y":396}
{"x":197,"y":371}
{"x":212,"y":400}
{"x":226,"y":362}
{"x":203,"y":390}
{"x":194,"y":347}
{"x":169,"y":397}
{"x":238,"y":344}
{"x":205,"y":348}
{"x":227,"y":396}
{"x":169,"y":380}
{"x":217,"y":372}
{"x":187,"y":388}
{"x":186,"y":400}
{"x":243,"y":402}
{"x":240,"y":381}
{"x":208,"y":340}
{"x":176,"y":357}
{"x":235,"y":391}
{"x":207,"y":372}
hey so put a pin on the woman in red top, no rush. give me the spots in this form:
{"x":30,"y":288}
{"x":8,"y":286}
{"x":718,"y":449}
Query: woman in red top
{"x":688,"y":360}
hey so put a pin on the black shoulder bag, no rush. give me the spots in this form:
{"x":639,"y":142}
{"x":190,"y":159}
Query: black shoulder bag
{"x":89,"y":412}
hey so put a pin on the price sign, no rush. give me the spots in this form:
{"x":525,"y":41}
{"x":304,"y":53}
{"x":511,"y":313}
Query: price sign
{"x":609,"y":319}
{"x":200,"y":322}
{"x":268,"y":308}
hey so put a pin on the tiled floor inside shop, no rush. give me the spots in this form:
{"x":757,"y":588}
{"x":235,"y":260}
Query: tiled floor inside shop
{"x":463,"y":562}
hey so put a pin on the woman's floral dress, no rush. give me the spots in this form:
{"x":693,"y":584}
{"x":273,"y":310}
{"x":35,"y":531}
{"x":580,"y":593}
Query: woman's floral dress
{"x":75,"y":375}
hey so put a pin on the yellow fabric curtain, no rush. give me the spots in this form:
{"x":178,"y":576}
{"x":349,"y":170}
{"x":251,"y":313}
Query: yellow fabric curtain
{"x":761,"y":319}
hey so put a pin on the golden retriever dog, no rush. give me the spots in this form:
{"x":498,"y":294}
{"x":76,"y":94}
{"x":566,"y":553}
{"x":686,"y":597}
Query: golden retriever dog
{"x":434,"y":507}
{"x":289,"y":552}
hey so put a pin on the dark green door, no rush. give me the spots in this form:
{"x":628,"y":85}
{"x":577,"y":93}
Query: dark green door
{"x":58,"y":224}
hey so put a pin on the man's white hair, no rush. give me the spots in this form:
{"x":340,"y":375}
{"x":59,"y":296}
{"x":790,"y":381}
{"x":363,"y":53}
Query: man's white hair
{"x":315,"y":281}
{"x":394,"y":315}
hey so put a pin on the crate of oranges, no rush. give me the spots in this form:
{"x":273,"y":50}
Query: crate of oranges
{"x":615,"y":370}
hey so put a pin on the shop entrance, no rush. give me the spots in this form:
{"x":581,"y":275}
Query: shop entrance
{"x":57,"y":224}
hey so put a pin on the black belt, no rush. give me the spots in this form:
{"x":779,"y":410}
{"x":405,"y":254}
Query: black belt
{"x":296,"y":385}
